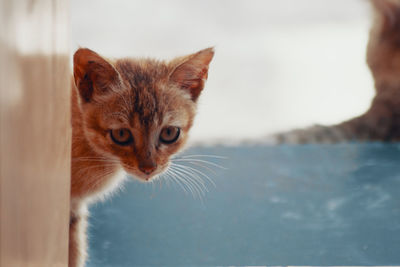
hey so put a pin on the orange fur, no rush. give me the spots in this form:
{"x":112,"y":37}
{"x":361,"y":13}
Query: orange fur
{"x":137,"y":97}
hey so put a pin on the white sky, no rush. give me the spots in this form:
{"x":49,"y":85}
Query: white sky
{"x":278,"y":64}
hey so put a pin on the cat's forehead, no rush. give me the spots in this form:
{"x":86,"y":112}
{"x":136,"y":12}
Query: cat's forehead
{"x":147,"y":95}
{"x":140,"y":97}
{"x":142,"y":72}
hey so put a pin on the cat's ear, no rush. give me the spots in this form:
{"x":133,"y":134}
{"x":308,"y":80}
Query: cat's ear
{"x":389,"y":10}
{"x":190,"y":73}
{"x":93,"y":75}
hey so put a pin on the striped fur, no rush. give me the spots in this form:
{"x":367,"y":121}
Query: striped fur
{"x":142,"y":95}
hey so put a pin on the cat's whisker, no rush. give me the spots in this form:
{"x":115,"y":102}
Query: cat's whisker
{"x":102,"y":164}
{"x":94,"y":158}
{"x":203,"y":155}
{"x":159,"y":181}
{"x":160,"y":176}
{"x":202,"y":174}
{"x":166,"y":175}
{"x":96,"y":180}
{"x":99,"y":180}
{"x":196,"y":188}
{"x":192,"y":174}
{"x":99,"y":166}
{"x":190,"y":178}
{"x":91,"y":157}
{"x":188,"y":184}
{"x":193,"y":187}
{"x":188,"y":172}
{"x":152,"y":184}
{"x":172,"y":175}
{"x":200,"y":160}
{"x":199,"y":172}
{"x":202,"y":166}
{"x":181,"y":182}
{"x":97,"y":160}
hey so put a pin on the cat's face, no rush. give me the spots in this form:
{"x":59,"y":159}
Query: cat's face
{"x":383,"y":54}
{"x":139,"y":112}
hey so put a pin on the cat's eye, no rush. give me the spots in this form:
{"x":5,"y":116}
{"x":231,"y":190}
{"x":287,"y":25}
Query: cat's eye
{"x":121,"y":136}
{"x":169,"y":134}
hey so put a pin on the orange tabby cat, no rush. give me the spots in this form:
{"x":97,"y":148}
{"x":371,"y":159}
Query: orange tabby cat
{"x":381,"y":122}
{"x":127,"y":114}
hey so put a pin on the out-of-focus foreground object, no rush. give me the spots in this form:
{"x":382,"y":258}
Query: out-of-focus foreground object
{"x":34,"y":133}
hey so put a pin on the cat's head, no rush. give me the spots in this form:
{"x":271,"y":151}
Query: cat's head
{"x":383,"y":52}
{"x":139,"y":111}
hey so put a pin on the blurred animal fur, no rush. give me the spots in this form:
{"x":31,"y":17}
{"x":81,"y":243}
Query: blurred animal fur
{"x":127,"y":114}
{"x":381,"y":122}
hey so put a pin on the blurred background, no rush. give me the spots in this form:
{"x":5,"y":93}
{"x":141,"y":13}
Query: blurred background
{"x":279,"y":65}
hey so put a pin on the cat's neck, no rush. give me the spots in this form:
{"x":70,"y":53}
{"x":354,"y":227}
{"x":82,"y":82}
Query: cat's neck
{"x":91,"y":173}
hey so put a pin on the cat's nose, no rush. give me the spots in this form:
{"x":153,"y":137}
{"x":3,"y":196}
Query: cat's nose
{"x":147,"y":167}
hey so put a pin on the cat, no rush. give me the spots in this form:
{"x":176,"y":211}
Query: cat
{"x":130,"y":115}
{"x":381,"y":122}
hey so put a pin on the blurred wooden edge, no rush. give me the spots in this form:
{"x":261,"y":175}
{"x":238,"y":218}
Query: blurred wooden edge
{"x":35,"y":133}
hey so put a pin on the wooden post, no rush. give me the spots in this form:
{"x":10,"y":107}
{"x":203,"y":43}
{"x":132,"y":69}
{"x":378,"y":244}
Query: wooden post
{"x":34,"y":133}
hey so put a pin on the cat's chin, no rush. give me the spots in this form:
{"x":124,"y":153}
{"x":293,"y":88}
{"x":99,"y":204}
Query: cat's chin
{"x":144,"y":178}
{"x":140,"y":178}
